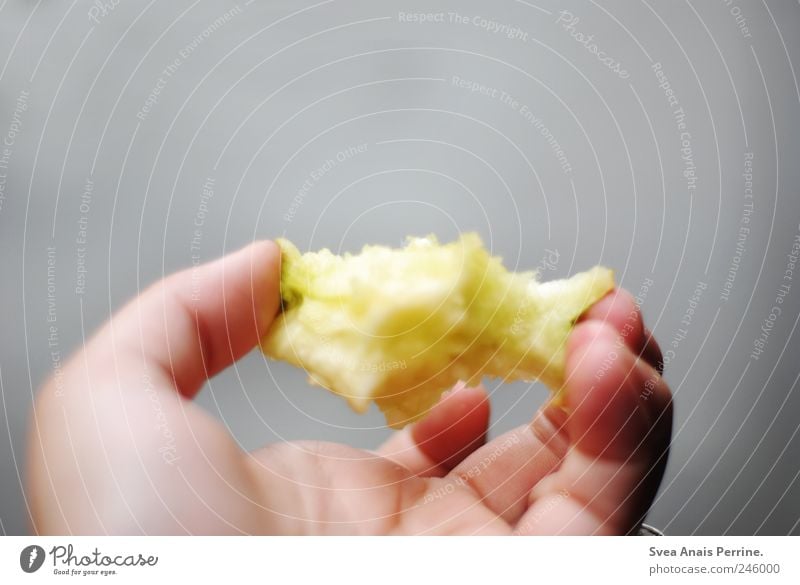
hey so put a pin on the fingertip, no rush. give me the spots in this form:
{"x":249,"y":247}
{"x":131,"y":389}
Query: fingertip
{"x":450,"y":432}
{"x":455,"y":427}
{"x":234,"y":301}
{"x":267,"y":250}
{"x":263,"y":255}
{"x":607,"y":308}
{"x":593,"y":349}
{"x":619,"y":309}
{"x":467,"y":406}
{"x":587,"y":334}
{"x":264,"y":259}
{"x":603,"y":386}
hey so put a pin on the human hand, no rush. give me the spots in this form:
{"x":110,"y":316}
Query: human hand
{"x":118,"y":447}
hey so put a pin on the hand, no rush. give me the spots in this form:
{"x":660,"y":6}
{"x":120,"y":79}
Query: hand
{"x":118,"y":447}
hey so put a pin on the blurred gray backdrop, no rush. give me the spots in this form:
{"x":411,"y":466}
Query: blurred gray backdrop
{"x":658,"y":138}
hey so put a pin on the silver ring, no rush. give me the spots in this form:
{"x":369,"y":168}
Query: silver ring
{"x":647,"y":530}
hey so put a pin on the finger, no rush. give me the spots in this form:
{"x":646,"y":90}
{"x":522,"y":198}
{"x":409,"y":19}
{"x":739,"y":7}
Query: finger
{"x":651,"y":352}
{"x":619,"y":427}
{"x":523,"y":457}
{"x":619,"y":310}
{"x":502,"y":472}
{"x":454,"y":428}
{"x":191,"y":325}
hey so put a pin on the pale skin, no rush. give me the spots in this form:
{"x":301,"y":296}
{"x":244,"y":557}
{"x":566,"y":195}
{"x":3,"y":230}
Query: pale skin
{"x":97,"y":462}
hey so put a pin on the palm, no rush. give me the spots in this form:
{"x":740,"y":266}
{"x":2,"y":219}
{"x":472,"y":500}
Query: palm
{"x":361,"y":493}
{"x":124,"y":404}
{"x":350,"y":491}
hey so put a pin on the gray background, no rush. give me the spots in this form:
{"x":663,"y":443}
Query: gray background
{"x":283,"y":86}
